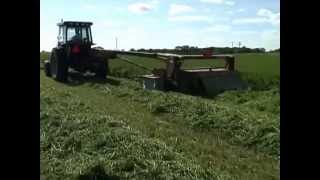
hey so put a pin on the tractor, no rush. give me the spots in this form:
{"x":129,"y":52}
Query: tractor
{"x":74,"y":51}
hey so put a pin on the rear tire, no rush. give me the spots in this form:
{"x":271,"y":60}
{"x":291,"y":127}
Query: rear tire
{"x":58,"y":66}
{"x":47,"y":68}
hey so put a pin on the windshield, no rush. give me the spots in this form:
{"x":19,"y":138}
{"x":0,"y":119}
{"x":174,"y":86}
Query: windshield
{"x":78,"y":33}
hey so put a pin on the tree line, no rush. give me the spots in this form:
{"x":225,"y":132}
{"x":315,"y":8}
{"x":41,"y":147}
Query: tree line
{"x":195,"y":50}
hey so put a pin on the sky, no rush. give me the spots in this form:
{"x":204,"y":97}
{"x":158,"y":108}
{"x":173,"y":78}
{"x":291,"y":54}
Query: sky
{"x":167,"y":23}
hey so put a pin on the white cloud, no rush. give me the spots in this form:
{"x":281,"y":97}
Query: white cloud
{"x":230,"y":3}
{"x":273,"y":18}
{"x":189,"y":18}
{"x":218,"y":28}
{"x":179,"y":8}
{"x":230,"y":12}
{"x":241,"y":10}
{"x":250,"y":20}
{"x":245,"y":33}
{"x":236,"y":11}
{"x":213,"y":1}
{"x":264,"y":12}
{"x":264,"y":16}
{"x":140,"y":8}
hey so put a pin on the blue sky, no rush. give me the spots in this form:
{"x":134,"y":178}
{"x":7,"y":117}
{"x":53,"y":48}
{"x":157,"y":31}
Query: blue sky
{"x":167,"y":23}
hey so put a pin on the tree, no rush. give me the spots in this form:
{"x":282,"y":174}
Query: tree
{"x":262,"y":50}
{"x":141,"y":50}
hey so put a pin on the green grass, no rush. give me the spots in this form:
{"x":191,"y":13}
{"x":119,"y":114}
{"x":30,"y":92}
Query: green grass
{"x":261,"y":71}
{"x":115,"y":129}
{"x":262,"y":64}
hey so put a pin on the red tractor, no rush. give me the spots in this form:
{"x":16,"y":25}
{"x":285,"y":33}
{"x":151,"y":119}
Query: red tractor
{"x":74,"y":51}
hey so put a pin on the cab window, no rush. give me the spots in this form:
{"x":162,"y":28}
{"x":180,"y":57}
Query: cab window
{"x":71,"y":33}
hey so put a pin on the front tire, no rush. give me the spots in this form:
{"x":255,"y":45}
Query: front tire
{"x":58,"y":66}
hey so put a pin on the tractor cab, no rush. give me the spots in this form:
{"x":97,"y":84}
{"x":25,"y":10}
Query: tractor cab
{"x":71,"y":32}
{"x":75,"y":37}
{"x":74,"y":51}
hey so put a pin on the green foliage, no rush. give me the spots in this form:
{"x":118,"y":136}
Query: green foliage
{"x":44,"y":55}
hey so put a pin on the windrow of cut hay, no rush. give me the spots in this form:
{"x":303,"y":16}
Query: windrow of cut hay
{"x":79,"y":143}
{"x":250,"y":118}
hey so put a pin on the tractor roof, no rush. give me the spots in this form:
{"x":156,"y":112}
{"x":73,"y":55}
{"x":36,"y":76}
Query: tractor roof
{"x":74,"y":23}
